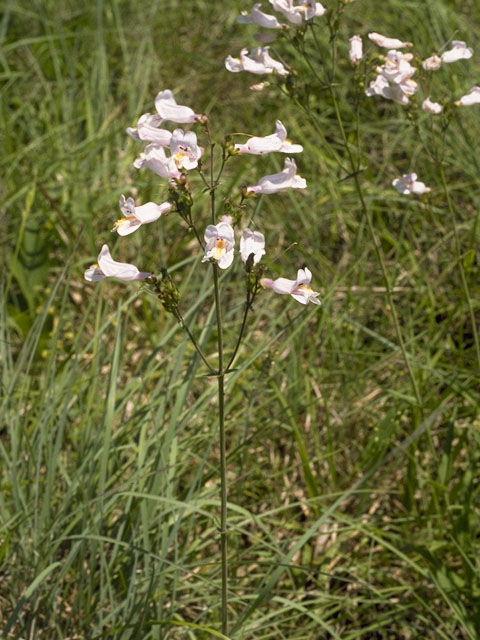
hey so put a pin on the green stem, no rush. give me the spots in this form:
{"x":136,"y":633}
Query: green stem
{"x":193,"y":341}
{"x":248,"y":303}
{"x":459,"y":260}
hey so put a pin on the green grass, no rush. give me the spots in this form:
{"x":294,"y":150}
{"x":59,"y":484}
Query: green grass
{"x":353,"y":508}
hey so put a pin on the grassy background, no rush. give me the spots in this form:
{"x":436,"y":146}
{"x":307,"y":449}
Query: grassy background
{"x":353,"y":507}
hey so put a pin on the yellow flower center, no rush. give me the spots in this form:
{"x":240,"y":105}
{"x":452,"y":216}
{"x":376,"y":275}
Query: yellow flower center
{"x":219,"y":248}
{"x":122,"y":221}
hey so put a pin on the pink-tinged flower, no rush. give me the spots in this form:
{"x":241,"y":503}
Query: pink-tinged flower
{"x":432,"y":64}
{"x":154,"y":158}
{"x":286,"y":179}
{"x":185,"y":150}
{"x":252,"y":242}
{"x":107,"y":267}
{"x":275,"y":142}
{"x":431,"y":107}
{"x":388,"y":43}
{"x":258,"y":61}
{"x":408,"y":184}
{"x":299,"y":289}
{"x":355,"y":50}
{"x":260,"y":86}
{"x":472,"y":97}
{"x":399,"y":93}
{"x":147,"y":130}
{"x":459,"y":51}
{"x":134,"y":216}
{"x":219,"y":243}
{"x":295,"y":14}
{"x":397,"y":67}
{"x":258,"y":17}
{"x":168,"y":109}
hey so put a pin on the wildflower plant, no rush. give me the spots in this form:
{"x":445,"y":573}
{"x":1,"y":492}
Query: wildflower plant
{"x":174,"y":156}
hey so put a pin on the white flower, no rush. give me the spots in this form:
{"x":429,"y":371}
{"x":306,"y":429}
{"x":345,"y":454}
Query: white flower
{"x":399,"y":93}
{"x":147,"y":130}
{"x":134,"y":216}
{"x":107,"y":267}
{"x":431,"y":107}
{"x":257,"y":61}
{"x":432,"y":64}
{"x":356,"y":49}
{"x":154,"y":158}
{"x":459,"y":51}
{"x":185,"y":150}
{"x":472,"y":97}
{"x":258,"y":17}
{"x":295,"y":14}
{"x":387,"y":43}
{"x":299,"y":289}
{"x":397,"y":67}
{"x":409,"y":184}
{"x":168,"y":109}
{"x":286,"y":179}
{"x":220,"y":240}
{"x":252,"y":242}
{"x":275,"y":142}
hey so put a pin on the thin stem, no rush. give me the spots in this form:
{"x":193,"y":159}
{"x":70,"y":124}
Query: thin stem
{"x":223,"y":455}
{"x":248,"y":303}
{"x":459,"y":261}
{"x":194,"y":342}
{"x":376,"y":243}
{"x":221,"y":415}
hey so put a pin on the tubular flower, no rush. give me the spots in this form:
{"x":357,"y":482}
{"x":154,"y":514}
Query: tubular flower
{"x":297,"y":13}
{"x":252,"y":242}
{"x":107,"y":267}
{"x":299,"y":289}
{"x":134,"y":216}
{"x":408,"y":184}
{"x":154,"y":158}
{"x":431,"y":107}
{"x":286,"y":179}
{"x":432,"y":64}
{"x":185,"y":150}
{"x":399,"y":93}
{"x":219,"y":239}
{"x":355,"y":50}
{"x":168,"y":109}
{"x":258,"y":17}
{"x":147,"y":130}
{"x":275,"y":142}
{"x":257,"y":61}
{"x":397,"y":67}
{"x":459,"y":51}
{"x":387,"y":43}
{"x":472,"y":97}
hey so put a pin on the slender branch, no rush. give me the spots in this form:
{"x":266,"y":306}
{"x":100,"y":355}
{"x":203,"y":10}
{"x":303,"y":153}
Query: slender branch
{"x":459,"y":260}
{"x":248,"y":306}
{"x":181,"y":321}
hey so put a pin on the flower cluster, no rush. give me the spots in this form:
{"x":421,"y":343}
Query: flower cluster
{"x":171,"y":154}
{"x":258,"y":60}
{"x":394,"y":81}
{"x":394,"y":78}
